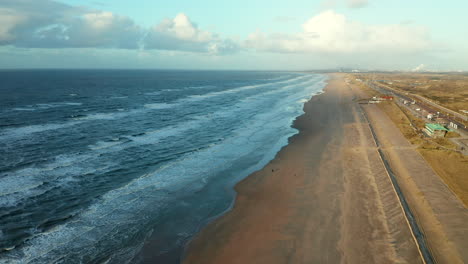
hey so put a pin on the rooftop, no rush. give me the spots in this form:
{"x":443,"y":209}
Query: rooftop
{"x":436,"y":126}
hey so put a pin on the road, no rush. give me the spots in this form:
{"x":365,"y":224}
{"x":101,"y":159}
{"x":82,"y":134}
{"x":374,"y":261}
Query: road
{"x":426,"y":104}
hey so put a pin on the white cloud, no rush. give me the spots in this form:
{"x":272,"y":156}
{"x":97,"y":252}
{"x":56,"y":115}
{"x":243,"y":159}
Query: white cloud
{"x":179,"y":34}
{"x":50,"y":24}
{"x":99,"y":21}
{"x":9,"y":19}
{"x":357,"y":3}
{"x":330,"y":32}
{"x":419,"y":68}
{"x":182,"y":34}
{"x":92,"y":29}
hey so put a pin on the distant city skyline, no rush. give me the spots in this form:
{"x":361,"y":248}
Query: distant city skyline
{"x":240,"y":35}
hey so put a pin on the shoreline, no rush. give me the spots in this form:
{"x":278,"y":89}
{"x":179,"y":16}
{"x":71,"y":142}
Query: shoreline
{"x":237,"y":186}
{"x":235,"y":191}
{"x":296,"y":209}
{"x":176,"y":254}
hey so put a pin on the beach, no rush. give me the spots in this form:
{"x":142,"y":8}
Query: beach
{"x":325,"y":198}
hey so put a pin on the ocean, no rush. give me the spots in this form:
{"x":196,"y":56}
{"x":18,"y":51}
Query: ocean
{"x":125,"y":166}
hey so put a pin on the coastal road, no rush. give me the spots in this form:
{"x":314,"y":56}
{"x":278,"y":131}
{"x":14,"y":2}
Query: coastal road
{"x":325,"y":198}
{"x":428,"y":102}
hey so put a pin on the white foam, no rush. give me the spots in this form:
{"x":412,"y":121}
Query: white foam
{"x":153,"y":93}
{"x":111,"y":115}
{"x":201,"y":87}
{"x":71,"y":103}
{"x":158,"y":106}
{"x":54,"y":105}
{"x":27,"y":130}
{"x":104,"y":145}
{"x":26,"y":183}
{"x":45,"y":106}
{"x":23,"y":109}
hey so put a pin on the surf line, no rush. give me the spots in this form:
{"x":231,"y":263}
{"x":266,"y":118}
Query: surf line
{"x":416,"y":231}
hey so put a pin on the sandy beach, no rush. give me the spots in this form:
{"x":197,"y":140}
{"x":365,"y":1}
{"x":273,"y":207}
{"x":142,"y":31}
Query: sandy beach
{"x":325,"y":198}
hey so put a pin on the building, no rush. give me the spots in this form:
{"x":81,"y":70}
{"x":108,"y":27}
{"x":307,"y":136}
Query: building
{"x":382,"y":98}
{"x":435,"y":130}
{"x":453,"y":125}
{"x":386,"y":97}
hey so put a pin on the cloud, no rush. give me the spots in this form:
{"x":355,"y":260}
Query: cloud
{"x":93,"y":29}
{"x":9,"y":19}
{"x":330,"y":32}
{"x":182,"y":34}
{"x":419,"y":68}
{"x":50,"y":24}
{"x":357,"y":3}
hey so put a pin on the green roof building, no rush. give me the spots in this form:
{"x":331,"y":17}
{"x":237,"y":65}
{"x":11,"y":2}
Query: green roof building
{"x":435,"y":130}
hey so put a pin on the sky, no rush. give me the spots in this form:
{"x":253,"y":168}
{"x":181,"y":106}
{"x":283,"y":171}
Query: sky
{"x":235,"y":35}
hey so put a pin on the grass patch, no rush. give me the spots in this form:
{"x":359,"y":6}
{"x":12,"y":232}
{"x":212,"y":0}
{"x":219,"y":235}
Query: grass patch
{"x":452,"y":134}
{"x":452,"y":167}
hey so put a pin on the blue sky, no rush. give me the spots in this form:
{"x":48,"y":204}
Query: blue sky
{"x":256,"y":34}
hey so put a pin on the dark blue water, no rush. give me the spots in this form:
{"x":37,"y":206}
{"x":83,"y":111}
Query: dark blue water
{"x":100,"y":166}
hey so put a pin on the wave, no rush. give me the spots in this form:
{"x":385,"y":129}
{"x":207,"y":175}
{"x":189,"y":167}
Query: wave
{"x":153,"y":93}
{"x":24,"y":131}
{"x":181,"y":89}
{"x":28,"y":130}
{"x":201,"y":87}
{"x":103,"y":148}
{"x":130,"y":208}
{"x":23,"y":109}
{"x":240,"y":89}
{"x":110,"y":115}
{"x":158,"y":106}
{"x":27,"y":183}
{"x":46,"y":106}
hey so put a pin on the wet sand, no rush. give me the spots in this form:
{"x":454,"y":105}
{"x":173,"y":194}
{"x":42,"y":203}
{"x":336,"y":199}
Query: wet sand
{"x":325,"y":198}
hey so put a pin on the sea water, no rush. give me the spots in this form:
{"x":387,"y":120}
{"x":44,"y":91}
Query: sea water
{"x":121,"y":166}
